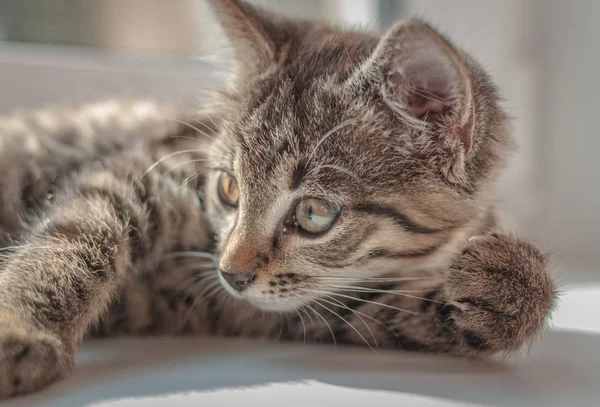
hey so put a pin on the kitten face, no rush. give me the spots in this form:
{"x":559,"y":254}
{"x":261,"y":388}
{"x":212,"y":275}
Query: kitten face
{"x":345,"y":157}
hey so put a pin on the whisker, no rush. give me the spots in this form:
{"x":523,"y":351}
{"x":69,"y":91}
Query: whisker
{"x":280,"y":325}
{"x":190,"y":281}
{"x":389,"y":326}
{"x":348,"y":323}
{"x":376,"y":279}
{"x":186,"y":137}
{"x":217,"y":290}
{"x":194,"y":150}
{"x":199,"y":160}
{"x":189,"y":179}
{"x":374,"y":290}
{"x":312,"y":323}
{"x":190,"y":253}
{"x":340,"y":303}
{"x":207,"y":273}
{"x":337,"y":168}
{"x":192,"y":264}
{"x":197,"y":265}
{"x":206,"y":125}
{"x":187,"y":95}
{"x":330,"y":133}
{"x":303,"y":327}
{"x":370,"y":302}
{"x":287,"y":319}
{"x":355,"y":312}
{"x":326,"y":323}
{"x":197,"y":274}
{"x":207,"y":288}
{"x":202,"y":296}
{"x":229,"y":298}
{"x":209,"y":117}
{"x":188,"y":125}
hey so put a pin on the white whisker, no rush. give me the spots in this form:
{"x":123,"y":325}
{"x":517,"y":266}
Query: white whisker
{"x":374,"y":290}
{"x":203,"y":255}
{"x":189,"y":283}
{"x":325,"y":321}
{"x":188,"y":125}
{"x":189,"y":179}
{"x":198,"y":160}
{"x":194,"y":150}
{"x":205,"y":294}
{"x":312,"y":323}
{"x":340,"y":303}
{"x":368,"y":301}
{"x":348,"y":323}
{"x":374,"y":279}
{"x":330,"y":133}
{"x":206,"y":125}
{"x":303,"y":327}
{"x":355,"y":312}
{"x":337,"y":168}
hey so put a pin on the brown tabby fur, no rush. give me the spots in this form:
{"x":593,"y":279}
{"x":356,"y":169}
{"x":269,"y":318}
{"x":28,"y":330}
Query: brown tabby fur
{"x":111,"y":220}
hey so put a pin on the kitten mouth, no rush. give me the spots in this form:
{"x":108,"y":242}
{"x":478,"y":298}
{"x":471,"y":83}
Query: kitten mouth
{"x":266,"y":298}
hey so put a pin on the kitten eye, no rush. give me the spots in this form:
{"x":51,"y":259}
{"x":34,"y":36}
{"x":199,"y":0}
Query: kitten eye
{"x":228,"y":190}
{"x":315,"y":215}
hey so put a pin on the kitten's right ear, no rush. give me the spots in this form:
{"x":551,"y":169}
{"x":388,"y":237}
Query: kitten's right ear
{"x":258,"y":37}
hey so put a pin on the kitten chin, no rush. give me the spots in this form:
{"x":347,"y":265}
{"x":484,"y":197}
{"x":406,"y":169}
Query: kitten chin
{"x":274,"y":304}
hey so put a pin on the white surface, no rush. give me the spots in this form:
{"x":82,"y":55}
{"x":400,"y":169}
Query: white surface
{"x":301,"y":394}
{"x":562,"y":370}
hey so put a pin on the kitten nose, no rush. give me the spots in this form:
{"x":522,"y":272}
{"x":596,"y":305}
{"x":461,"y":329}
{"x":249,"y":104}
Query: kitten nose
{"x":239,"y":281}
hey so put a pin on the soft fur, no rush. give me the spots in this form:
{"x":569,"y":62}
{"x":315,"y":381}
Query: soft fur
{"x":111,"y":220}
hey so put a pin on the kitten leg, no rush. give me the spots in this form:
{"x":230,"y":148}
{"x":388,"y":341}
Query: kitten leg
{"x":54,"y":285}
{"x":496,"y":296}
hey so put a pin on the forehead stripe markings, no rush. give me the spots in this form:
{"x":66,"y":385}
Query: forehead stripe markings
{"x":382,"y":254}
{"x":379,"y":253}
{"x":399,"y":218}
{"x":299,"y":173}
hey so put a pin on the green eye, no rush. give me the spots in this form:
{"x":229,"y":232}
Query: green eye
{"x":315,"y":215}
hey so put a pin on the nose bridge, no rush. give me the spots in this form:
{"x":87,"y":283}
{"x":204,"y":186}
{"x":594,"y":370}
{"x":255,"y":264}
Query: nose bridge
{"x":241,"y":253}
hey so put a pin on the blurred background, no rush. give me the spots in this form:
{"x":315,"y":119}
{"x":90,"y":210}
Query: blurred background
{"x":543,"y":54}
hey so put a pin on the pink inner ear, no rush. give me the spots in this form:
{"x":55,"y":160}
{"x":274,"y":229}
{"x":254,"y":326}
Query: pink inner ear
{"x":424,"y":80}
{"x":425,"y":107}
{"x":424,"y":90}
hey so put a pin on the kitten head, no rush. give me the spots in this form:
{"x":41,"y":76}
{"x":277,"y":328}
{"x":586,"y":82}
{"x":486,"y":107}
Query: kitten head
{"x":345,"y":156}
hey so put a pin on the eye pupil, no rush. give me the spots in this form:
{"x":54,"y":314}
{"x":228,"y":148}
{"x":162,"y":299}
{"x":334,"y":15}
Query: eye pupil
{"x":314,"y":215}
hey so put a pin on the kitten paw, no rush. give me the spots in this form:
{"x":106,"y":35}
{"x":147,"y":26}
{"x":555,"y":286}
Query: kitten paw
{"x":498,"y":293}
{"x":30,"y":361}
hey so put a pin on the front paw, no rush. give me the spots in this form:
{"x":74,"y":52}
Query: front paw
{"x":499,"y":293}
{"x":30,"y":361}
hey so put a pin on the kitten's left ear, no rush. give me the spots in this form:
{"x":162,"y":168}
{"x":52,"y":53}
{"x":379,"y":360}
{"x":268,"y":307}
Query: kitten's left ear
{"x":423,"y":79}
{"x":258,"y":37}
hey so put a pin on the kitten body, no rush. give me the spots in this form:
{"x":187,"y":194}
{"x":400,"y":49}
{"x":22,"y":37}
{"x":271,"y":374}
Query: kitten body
{"x":115,"y":223}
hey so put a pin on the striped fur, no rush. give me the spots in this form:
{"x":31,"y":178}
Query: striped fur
{"x":111,"y":221}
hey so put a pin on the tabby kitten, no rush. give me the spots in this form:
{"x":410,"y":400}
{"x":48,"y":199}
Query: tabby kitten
{"x":335,"y":187}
